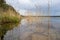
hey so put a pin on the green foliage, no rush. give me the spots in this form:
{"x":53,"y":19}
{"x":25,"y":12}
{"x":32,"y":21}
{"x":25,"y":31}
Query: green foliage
{"x":2,"y":1}
{"x":7,"y":15}
{"x":3,"y":5}
{"x":7,"y":12}
{"x":5,"y":27}
{"x":9,"y":19}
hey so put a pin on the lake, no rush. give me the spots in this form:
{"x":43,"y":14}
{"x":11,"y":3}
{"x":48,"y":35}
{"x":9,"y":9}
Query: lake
{"x":35,"y":28}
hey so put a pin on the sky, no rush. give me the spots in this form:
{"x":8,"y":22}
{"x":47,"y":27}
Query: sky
{"x":36,"y":7}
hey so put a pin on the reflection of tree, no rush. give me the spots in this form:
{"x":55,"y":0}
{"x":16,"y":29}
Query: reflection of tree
{"x":5,"y":27}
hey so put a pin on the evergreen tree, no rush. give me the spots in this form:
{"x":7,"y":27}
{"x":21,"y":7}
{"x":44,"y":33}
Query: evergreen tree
{"x":3,"y":4}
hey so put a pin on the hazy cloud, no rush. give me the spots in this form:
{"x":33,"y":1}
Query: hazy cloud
{"x":36,"y":5}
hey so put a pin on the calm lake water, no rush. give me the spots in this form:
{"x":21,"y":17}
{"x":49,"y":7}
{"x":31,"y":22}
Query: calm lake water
{"x":35,"y":28}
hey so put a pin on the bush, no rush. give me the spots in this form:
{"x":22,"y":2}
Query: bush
{"x":9,"y":19}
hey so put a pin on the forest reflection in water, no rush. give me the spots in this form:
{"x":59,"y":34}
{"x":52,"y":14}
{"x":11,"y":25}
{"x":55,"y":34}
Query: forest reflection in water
{"x":34,"y":28}
{"x":5,"y":27}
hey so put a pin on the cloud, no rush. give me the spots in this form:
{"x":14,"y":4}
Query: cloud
{"x":36,"y":5}
{"x":24,"y":1}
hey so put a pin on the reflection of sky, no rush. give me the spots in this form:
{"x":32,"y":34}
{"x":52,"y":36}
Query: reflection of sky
{"x":34,"y":6}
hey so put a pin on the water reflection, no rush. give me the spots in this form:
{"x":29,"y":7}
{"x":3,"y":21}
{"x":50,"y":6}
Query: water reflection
{"x":5,"y":27}
{"x":35,"y":28}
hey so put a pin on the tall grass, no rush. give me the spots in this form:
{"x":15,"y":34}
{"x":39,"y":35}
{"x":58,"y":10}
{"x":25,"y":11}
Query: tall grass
{"x":9,"y":19}
{"x":8,"y":14}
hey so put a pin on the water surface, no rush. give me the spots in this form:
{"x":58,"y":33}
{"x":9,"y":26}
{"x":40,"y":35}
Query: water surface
{"x":35,"y":28}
